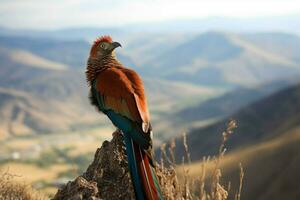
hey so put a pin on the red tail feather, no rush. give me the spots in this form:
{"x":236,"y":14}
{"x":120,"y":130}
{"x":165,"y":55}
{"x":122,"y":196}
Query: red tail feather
{"x":144,"y":169}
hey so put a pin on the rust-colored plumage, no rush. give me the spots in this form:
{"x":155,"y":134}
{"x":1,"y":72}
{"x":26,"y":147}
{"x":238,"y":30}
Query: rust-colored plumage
{"x":119,"y":93}
{"x":124,"y":93}
{"x":122,"y":88}
{"x":104,"y":38}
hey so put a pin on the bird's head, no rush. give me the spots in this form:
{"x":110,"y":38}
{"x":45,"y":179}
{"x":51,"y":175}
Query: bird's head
{"x":103,"y":46}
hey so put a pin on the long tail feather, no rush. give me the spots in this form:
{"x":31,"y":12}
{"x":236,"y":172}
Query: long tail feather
{"x":133,"y":167}
{"x":144,"y":178}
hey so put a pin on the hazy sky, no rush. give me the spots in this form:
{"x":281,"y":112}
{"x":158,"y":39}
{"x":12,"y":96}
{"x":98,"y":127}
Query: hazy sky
{"x":51,"y":14}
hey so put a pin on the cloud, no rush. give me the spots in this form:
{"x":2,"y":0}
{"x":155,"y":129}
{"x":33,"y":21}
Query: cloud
{"x":69,"y":13}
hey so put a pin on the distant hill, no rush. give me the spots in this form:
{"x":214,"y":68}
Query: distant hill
{"x":271,"y":168}
{"x":229,"y":103}
{"x":260,"y":121}
{"x":222,"y":59}
{"x":211,"y":59}
{"x":42,"y":93}
{"x":203,"y":67}
{"x":266,"y":142}
{"x":72,"y":53}
{"x":41,"y":96}
{"x":285,"y":44}
{"x":24,"y":113}
{"x":86,"y":33}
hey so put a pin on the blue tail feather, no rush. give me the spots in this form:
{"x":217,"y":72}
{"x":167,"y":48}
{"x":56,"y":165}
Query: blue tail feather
{"x":133,"y":168}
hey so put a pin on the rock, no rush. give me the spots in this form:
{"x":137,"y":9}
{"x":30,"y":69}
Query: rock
{"x":80,"y":188}
{"x":106,"y":178}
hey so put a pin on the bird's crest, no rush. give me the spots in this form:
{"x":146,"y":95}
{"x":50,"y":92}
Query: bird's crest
{"x":105,"y":38}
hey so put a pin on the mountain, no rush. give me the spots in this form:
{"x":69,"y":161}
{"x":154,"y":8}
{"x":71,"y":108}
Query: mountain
{"x":232,"y":101}
{"x":257,"y":122}
{"x":266,"y":142}
{"x":207,"y":59}
{"x":285,"y":44}
{"x":76,"y":33}
{"x":44,"y":91}
{"x":271,"y":168}
{"x":214,"y":59}
{"x":39,"y":95}
{"x":69,"y":52}
{"x":203,"y":67}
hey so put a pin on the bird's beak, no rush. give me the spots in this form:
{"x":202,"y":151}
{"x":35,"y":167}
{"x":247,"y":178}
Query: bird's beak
{"x":115,"y":45}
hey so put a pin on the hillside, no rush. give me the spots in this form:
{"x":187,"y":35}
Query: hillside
{"x":278,"y":43}
{"x":232,"y":101}
{"x":271,"y":170}
{"x":260,"y":121}
{"x":191,"y":81}
{"x":72,"y":53}
{"x":42,"y":94}
{"x":203,"y":59}
{"x":39,"y":95}
{"x":214,"y":58}
{"x":50,"y":71}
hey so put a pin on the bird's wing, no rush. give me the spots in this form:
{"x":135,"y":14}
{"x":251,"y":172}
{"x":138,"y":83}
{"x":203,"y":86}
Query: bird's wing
{"x":139,"y":93}
{"x":123,"y":92}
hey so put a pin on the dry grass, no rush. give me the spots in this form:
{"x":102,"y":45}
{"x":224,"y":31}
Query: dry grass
{"x":181,"y":186}
{"x":14,"y":190}
{"x":32,"y":173}
{"x":176,"y":180}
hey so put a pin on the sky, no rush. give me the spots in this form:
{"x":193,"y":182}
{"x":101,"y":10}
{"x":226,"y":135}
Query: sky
{"x":55,"y":14}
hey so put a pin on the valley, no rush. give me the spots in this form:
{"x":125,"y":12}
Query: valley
{"x":194,"y":83}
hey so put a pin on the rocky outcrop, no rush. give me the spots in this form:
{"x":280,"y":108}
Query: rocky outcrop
{"x":107,"y":177}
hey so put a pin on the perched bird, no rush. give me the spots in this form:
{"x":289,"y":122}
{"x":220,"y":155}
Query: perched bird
{"x":118,"y":92}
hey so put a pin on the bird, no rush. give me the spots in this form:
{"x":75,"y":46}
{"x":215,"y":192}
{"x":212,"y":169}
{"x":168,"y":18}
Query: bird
{"x":118,"y":92}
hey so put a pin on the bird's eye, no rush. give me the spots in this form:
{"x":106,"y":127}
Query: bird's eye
{"x":103,"y":46}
